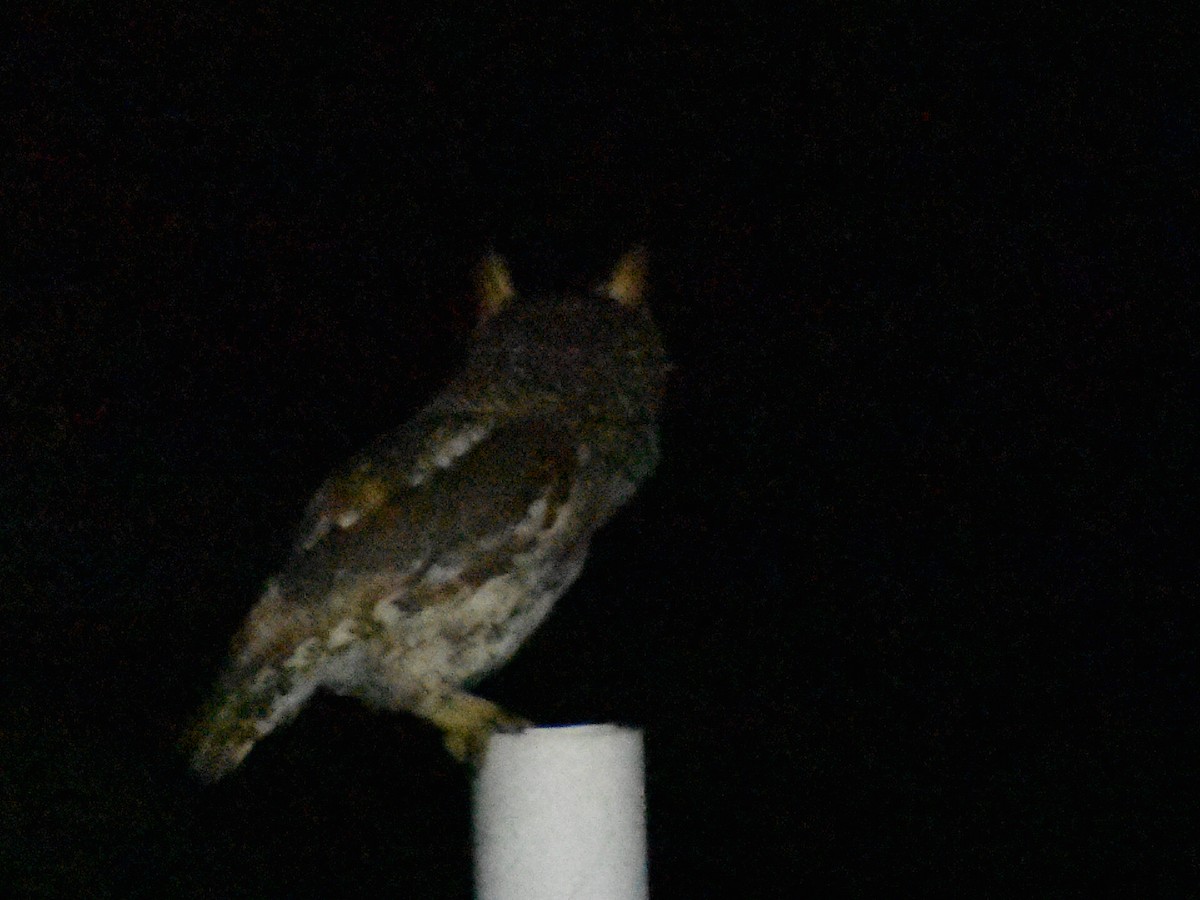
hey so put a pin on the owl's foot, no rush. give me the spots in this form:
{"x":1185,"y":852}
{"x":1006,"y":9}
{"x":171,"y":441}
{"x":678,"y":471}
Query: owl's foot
{"x":467,"y":722}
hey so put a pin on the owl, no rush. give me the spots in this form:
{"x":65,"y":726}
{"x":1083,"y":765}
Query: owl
{"x":429,"y":558}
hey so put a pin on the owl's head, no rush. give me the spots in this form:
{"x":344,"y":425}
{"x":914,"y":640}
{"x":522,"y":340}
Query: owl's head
{"x":625,"y":285}
{"x":599,"y":347}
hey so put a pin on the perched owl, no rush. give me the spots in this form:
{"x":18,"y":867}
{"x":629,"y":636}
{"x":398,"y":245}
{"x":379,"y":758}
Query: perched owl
{"x":428,"y":559}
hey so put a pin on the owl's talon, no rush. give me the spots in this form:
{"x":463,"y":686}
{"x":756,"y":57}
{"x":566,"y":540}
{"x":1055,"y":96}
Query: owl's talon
{"x":512,"y":725}
{"x":467,"y":723}
{"x":466,"y":747}
{"x":470,"y":745}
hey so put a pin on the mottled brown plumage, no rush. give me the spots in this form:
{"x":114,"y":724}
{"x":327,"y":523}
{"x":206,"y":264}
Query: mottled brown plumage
{"x":428,"y":559}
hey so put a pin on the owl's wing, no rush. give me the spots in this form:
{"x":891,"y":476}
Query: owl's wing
{"x":385,"y":470}
{"x":463,"y":520}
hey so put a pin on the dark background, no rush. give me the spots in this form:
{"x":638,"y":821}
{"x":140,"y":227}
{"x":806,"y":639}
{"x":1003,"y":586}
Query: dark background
{"x":899,"y":610}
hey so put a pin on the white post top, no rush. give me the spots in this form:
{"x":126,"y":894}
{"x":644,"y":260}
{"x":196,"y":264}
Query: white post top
{"x":560,"y":814}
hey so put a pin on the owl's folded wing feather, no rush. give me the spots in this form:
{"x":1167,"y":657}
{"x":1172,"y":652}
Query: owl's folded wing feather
{"x":496,"y":498}
{"x":386,"y":470}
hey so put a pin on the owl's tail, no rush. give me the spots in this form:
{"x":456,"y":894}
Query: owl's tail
{"x":243,"y":711}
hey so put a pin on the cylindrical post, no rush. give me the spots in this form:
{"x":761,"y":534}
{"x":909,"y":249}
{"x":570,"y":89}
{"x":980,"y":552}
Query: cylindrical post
{"x":561,"y":812}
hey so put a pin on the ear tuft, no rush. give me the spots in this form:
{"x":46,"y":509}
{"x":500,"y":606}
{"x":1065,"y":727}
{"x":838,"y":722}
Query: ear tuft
{"x":627,"y":283}
{"x":493,"y":286}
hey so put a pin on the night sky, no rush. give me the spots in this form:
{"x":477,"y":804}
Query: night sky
{"x":899,"y":612}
